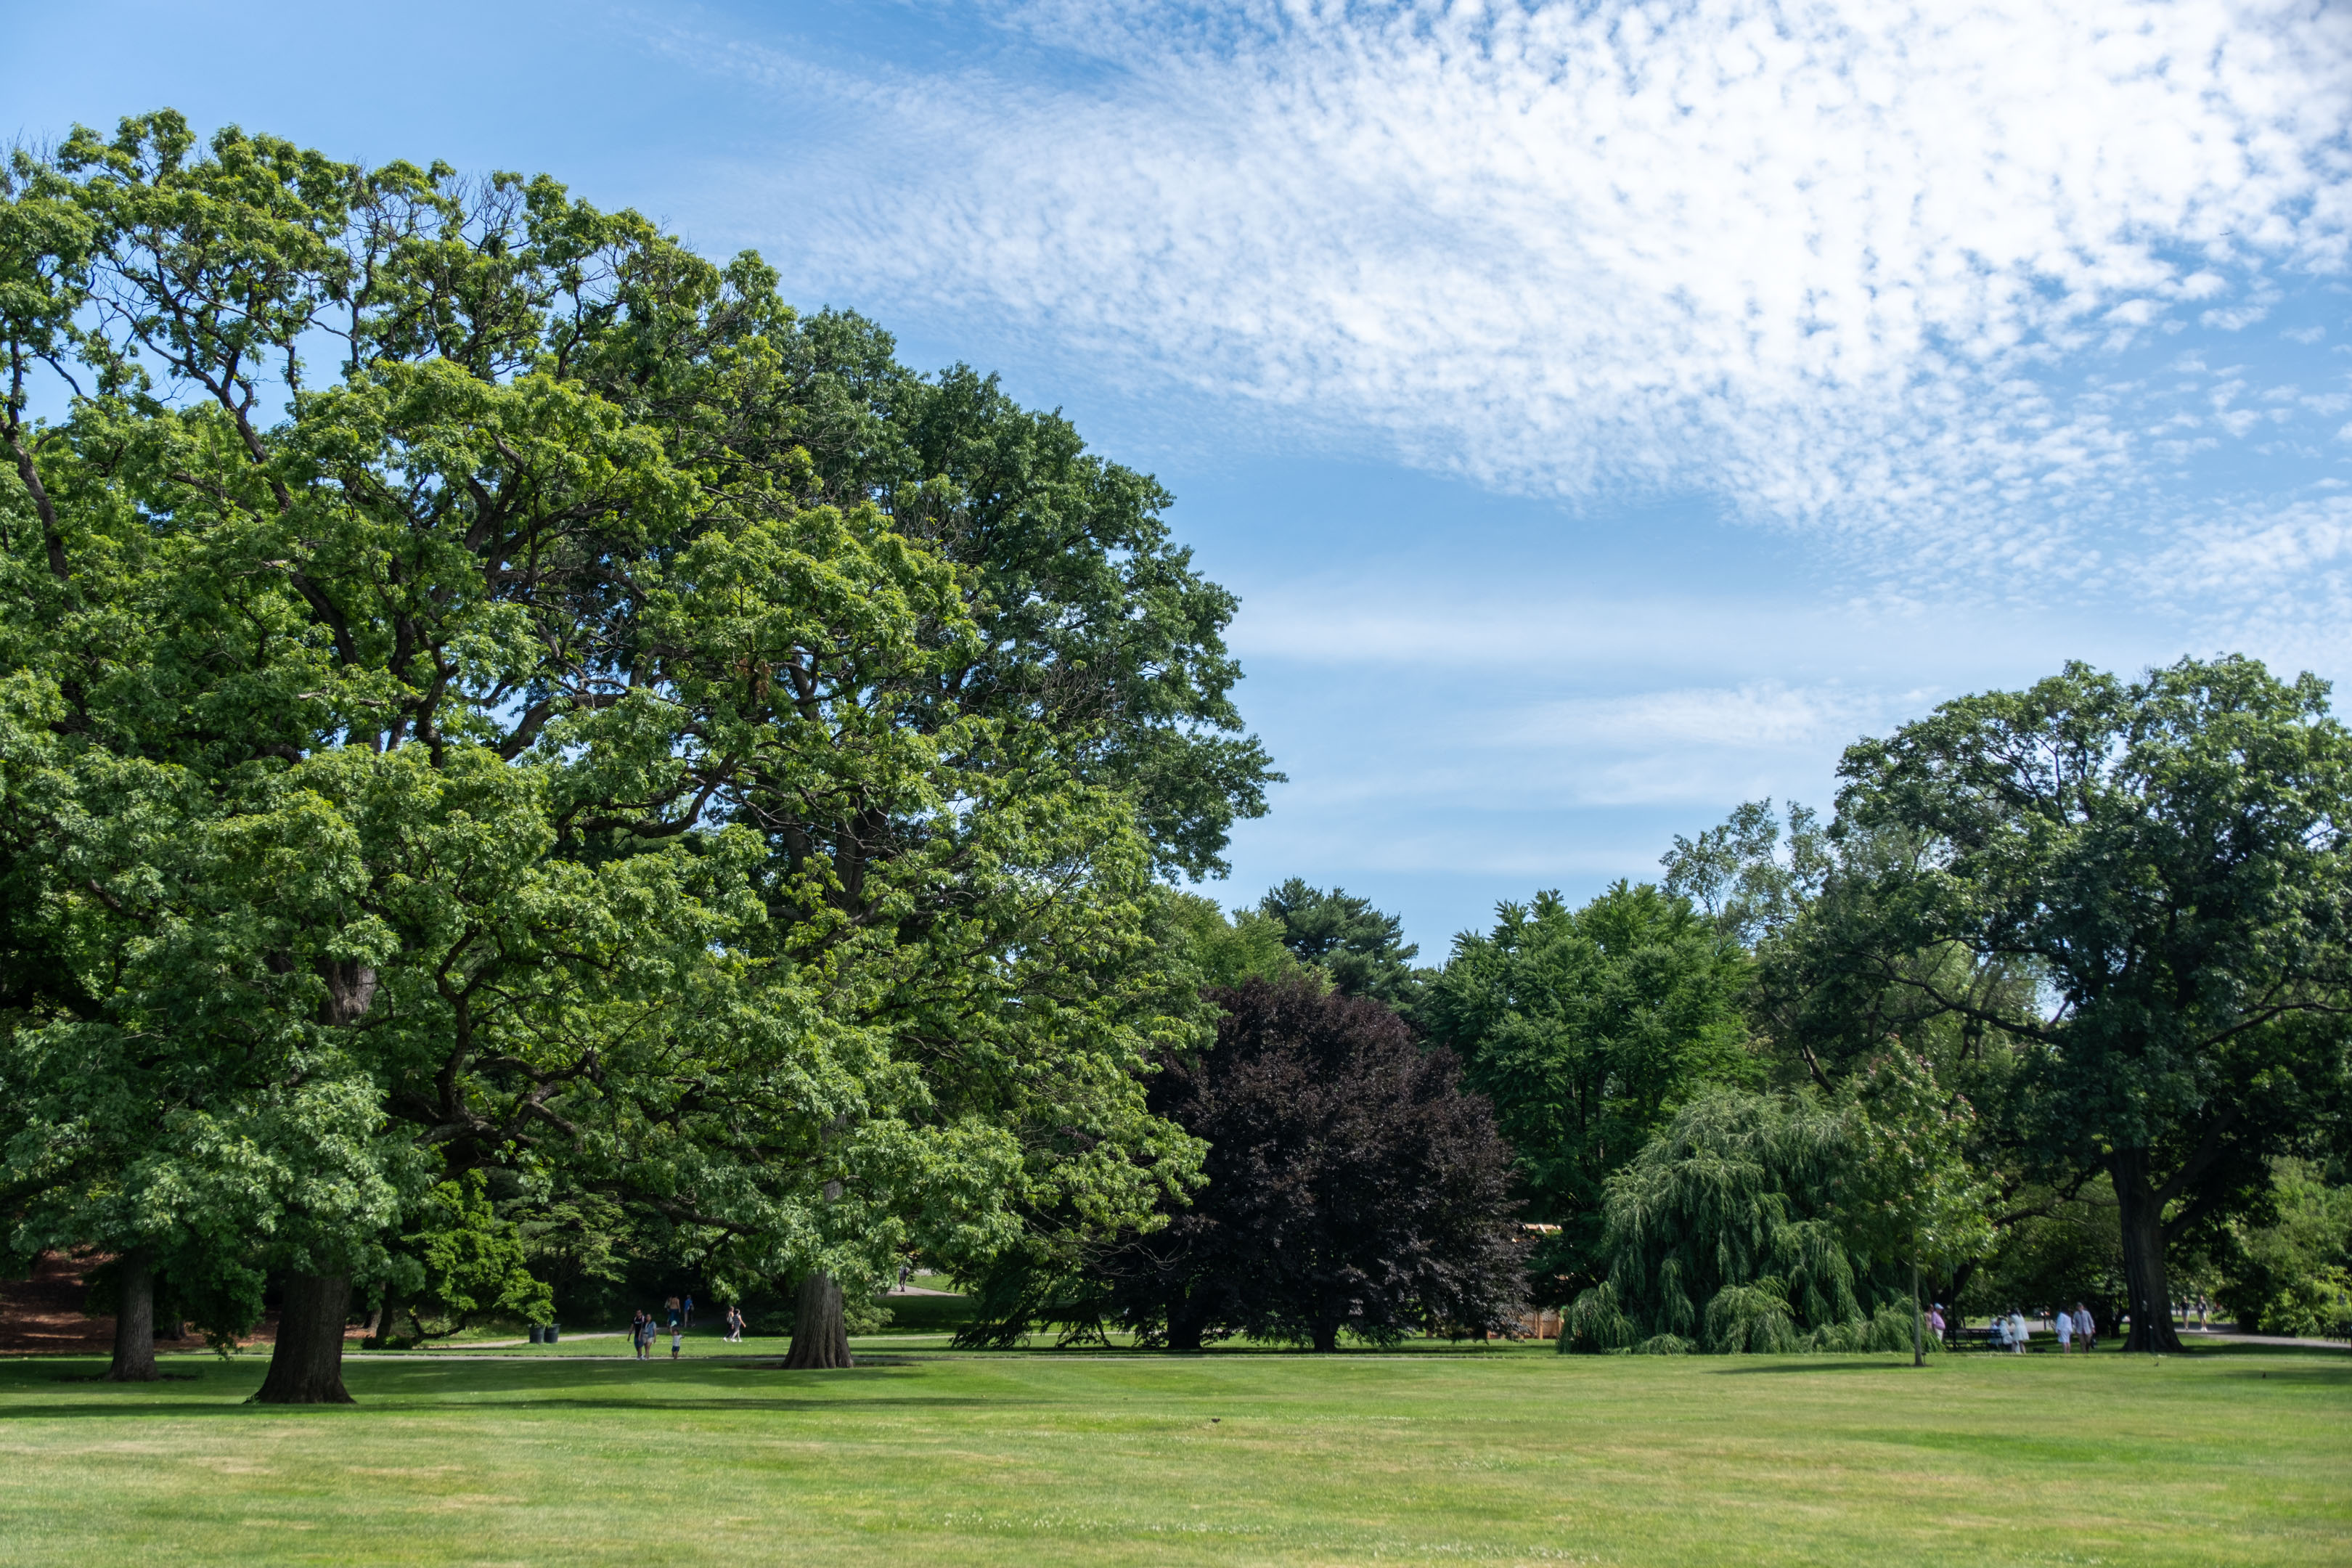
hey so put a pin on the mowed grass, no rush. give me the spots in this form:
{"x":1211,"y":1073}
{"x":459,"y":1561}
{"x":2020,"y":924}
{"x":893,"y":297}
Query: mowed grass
{"x":1038,"y":1458}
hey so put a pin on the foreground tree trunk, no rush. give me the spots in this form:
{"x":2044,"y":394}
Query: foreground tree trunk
{"x":306,"y":1367}
{"x":2148,"y":1284}
{"x":820,"y":1338}
{"x":134,"y":1318}
{"x":1326,"y":1335}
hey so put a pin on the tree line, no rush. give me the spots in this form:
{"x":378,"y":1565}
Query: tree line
{"x":525,"y":758}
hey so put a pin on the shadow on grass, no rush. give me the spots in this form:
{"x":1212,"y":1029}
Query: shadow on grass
{"x":1810,"y":1364}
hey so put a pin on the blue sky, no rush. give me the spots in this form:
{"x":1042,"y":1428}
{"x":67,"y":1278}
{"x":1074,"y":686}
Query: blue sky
{"x":1606,"y":412}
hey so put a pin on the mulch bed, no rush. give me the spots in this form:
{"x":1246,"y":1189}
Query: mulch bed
{"x":43,"y":1315}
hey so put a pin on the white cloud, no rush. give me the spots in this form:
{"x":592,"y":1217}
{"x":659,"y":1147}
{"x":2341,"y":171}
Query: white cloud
{"x":1818,"y":262}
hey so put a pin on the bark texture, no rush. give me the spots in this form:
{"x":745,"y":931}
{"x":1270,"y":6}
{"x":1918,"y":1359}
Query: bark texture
{"x":820,"y":1337}
{"x":306,"y":1367}
{"x":134,"y":1319}
{"x":2147,"y":1281}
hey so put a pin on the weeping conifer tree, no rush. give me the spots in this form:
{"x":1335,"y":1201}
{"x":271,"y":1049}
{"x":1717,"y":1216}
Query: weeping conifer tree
{"x":1722,"y":1235}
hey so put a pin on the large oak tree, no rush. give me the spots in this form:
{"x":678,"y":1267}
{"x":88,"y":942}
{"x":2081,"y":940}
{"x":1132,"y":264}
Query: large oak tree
{"x":2167,"y":855}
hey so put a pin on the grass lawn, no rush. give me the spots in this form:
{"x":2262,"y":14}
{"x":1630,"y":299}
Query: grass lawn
{"x":1508,"y":1455}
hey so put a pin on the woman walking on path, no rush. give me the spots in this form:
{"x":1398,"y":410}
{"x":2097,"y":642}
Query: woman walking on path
{"x":734,"y":1325}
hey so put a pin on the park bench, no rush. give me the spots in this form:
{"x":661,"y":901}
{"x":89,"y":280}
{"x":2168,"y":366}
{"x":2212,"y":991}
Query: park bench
{"x":1988,"y":1338}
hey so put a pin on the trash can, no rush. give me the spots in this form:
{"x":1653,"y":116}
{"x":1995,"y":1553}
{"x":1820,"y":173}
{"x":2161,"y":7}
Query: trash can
{"x":535,"y":1333}
{"x":548,"y":1336}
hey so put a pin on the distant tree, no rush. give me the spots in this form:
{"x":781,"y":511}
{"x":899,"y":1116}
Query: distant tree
{"x":2170,"y":854}
{"x":1363,"y":950}
{"x":1743,"y":875}
{"x":1221,"y":950}
{"x":1586,"y":1028}
{"x":1352,"y":1184}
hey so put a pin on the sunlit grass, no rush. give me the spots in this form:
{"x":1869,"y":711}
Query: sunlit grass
{"x":1503,"y":1453}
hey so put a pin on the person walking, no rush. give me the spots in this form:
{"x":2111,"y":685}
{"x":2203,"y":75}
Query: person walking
{"x":734,"y":1325}
{"x":2064,"y":1321}
{"x":676,"y":1334}
{"x":689,"y":1311}
{"x":2086,"y":1327}
{"x":670,"y":1307}
{"x":2018,"y":1332}
{"x":637,"y":1334}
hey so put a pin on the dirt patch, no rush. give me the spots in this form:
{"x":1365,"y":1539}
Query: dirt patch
{"x":43,"y":1316}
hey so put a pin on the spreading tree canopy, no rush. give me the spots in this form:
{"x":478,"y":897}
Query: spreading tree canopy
{"x":480,"y":685}
{"x":2167,"y":857}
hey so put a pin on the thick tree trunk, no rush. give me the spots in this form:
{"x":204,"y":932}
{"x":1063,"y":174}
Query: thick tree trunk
{"x":307,"y":1368}
{"x":1327,"y":1334}
{"x":820,"y":1338}
{"x":1187,"y":1324}
{"x":134,"y":1318}
{"x":2147,"y":1285}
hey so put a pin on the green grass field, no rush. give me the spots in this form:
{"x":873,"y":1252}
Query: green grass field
{"x":1506,"y":1455}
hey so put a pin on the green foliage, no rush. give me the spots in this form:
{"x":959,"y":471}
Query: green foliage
{"x":2293,"y":1275}
{"x":1225,"y":950}
{"x":1726,"y":1230}
{"x":1910,"y":1194}
{"x":1742,"y":879}
{"x":1587,"y":1029}
{"x":1363,"y":950}
{"x":576,"y":731}
{"x":2058,"y":1251}
{"x":2168,"y":855}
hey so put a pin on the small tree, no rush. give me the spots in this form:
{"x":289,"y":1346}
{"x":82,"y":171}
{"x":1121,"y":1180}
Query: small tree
{"x":1911,"y":1196}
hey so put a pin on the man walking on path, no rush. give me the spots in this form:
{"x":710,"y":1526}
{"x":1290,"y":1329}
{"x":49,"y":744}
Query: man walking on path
{"x":689,"y":1311}
{"x":2086,"y":1327}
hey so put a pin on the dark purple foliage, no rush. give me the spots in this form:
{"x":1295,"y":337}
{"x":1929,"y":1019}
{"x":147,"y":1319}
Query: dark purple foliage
{"x":1352,"y":1184}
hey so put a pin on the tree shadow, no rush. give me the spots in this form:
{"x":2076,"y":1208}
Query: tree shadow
{"x":1794,"y":1366}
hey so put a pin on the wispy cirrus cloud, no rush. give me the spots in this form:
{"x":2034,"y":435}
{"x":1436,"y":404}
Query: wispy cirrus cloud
{"x":1897,"y":273}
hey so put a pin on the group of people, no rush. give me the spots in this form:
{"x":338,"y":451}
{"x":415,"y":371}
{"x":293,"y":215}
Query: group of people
{"x":2077,"y":1327}
{"x":646,"y":1328}
{"x":2013,"y":1334}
